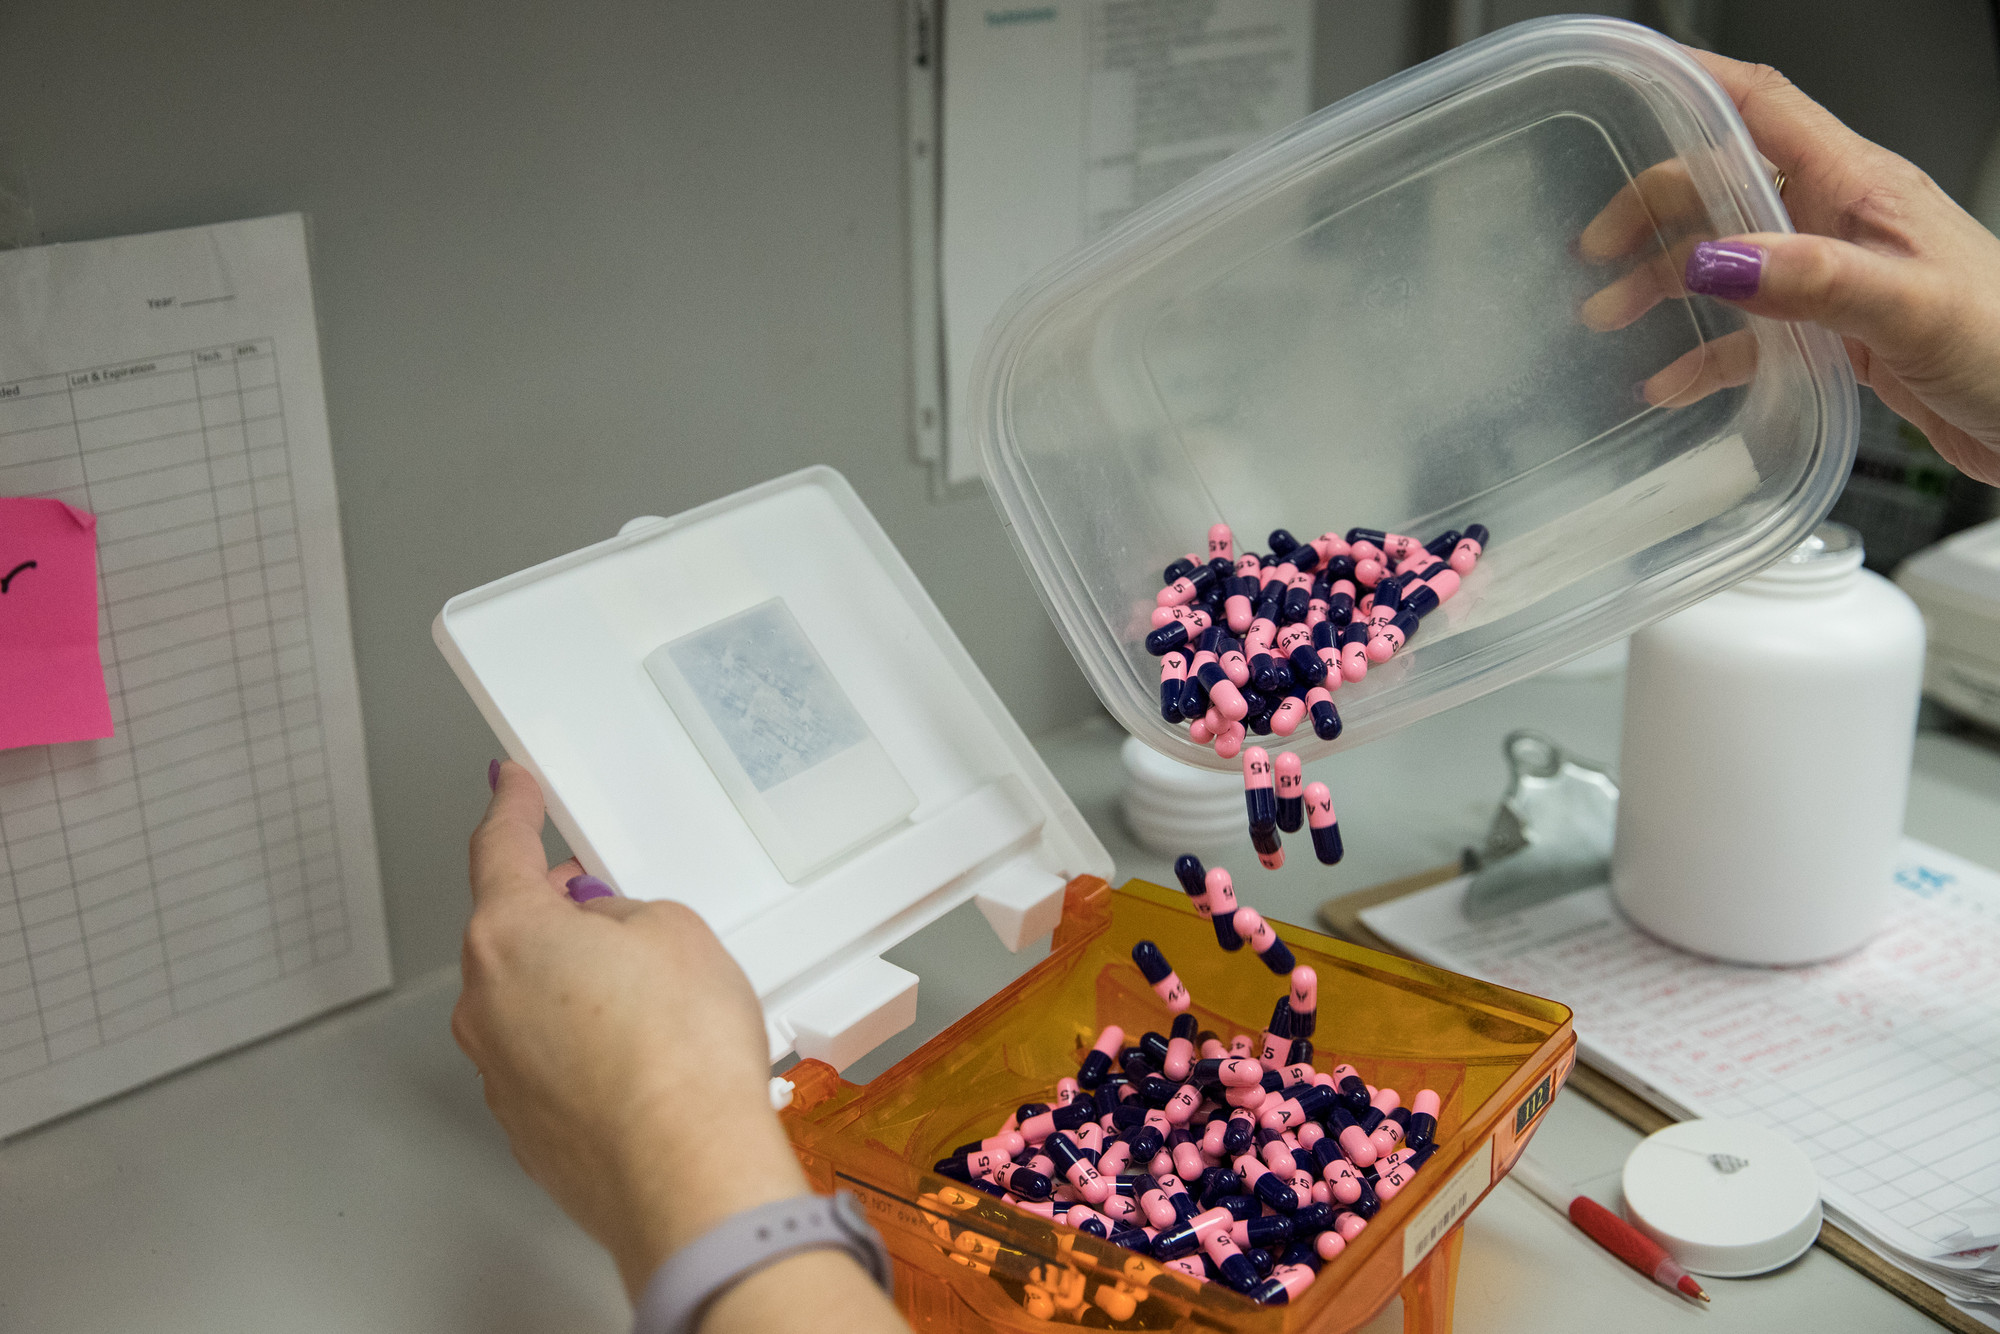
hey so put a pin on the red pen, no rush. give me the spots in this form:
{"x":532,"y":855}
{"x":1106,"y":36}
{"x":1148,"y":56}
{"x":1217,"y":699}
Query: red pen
{"x":1608,"y":1230}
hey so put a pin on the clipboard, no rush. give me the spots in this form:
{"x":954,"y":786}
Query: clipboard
{"x":1341,"y":917}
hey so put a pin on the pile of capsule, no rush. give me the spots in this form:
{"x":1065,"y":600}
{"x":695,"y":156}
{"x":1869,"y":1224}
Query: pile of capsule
{"x":1251,"y":643}
{"x":1245,"y":1163}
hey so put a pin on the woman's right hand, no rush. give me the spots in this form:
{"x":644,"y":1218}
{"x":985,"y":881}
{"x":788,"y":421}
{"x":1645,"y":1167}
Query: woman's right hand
{"x":1883,"y":257}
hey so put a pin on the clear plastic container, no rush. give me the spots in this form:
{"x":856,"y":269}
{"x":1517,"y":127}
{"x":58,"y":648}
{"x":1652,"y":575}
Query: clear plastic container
{"x":1373,"y":319}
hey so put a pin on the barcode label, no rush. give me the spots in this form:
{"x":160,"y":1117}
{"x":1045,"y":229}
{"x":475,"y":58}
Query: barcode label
{"x":1428,"y":1226}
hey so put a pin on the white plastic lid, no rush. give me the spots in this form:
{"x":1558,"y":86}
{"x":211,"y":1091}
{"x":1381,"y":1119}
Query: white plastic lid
{"x":1829,"y":557}
{"x":754,"y":709}
{"x":1725,"y":1198}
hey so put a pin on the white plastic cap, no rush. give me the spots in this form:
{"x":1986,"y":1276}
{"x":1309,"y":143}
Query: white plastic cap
{"x":1727,"y":1199}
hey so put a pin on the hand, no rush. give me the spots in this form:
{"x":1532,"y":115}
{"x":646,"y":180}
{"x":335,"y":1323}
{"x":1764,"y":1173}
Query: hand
{"x":1883,"y":257}
{"x":622,"y":1049}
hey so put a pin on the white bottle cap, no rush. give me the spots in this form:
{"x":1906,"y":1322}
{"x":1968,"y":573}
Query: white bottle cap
{"x":1727,"y":1199}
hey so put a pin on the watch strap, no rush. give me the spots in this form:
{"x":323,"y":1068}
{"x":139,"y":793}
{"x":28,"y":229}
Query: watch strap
{"x":687,"y":1281}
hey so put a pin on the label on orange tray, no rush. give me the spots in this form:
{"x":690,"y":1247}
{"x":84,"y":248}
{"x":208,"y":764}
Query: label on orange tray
{"x":1516,"y":1125}
{"x":1428,"y":1225}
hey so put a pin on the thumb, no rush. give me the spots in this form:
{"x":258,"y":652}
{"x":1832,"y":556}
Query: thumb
{"x":1882,"y":300}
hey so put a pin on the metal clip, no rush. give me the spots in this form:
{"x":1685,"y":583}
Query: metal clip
{"x":1551,"y":835}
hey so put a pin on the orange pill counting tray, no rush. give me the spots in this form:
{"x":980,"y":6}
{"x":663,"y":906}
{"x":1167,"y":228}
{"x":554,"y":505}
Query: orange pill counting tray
{"x":967,"y":1261}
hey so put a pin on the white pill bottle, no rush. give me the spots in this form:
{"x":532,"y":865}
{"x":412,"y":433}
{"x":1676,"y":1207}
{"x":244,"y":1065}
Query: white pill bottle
{"x":1766,"y":760}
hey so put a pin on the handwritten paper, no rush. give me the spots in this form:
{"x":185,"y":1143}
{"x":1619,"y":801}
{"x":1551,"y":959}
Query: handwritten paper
{"x":51,"y":678}
{"x":1879,"y":1064}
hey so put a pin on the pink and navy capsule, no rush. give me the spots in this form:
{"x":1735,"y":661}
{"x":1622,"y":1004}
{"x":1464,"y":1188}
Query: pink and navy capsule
{"x":1180,"y":1048}
{"x":1022,"y":1181}
{"x":1466,"y":554}
{"x":1228,"y":1071}
{"x":1399,"y":1168}
{"x":1262,"y":710}
{"x":1260,"y":797}
{"x":1353,"y":641}
{"x":1266,"y":1185}
{"x":1325,"y":826}
{"x":1170,"y":635}
{"x":1423,"y":1117}
{"x":1077,"y":1169}
{"x":1229,"y":657}
{"x":1177,"y":1195}
{"x":1274,"y":954}
{"x":1216,"y":1183}
{"x":1097,"y":1064}
{"x":1297,"y":1105}
{"x":1173,"y":676}
{"x":1290,"y":804}
{"x":1325,"y":716}
{"x":1277,"y":1038}
{"x":1240,"y":1132}
{"x":1220,"y":901}
{"x":1166,"y":983}
{"x":1264,"y":1231}
{"x":1419,"y":600}
{"x":1303,"y":999}
{"x":1240,"y":594}
{"x":1285,"y":1282}
{"x":1295,"y":646}
{"x":1291,"y":711}
{"x":1196,"y":584}
{"x":1193,"y":877}
{"x":1353,"y":1089}
{"x":1385,"y":640}
{"x":1298,"y":598}
{"x":1185,"y":1151}
{"x":1221,"y":691}
{"x":1037,"y":1128}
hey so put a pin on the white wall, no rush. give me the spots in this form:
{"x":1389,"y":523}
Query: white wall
{"x":574,"y":263}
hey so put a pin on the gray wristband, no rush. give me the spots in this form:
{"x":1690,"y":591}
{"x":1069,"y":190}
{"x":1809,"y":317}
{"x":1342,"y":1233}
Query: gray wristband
{"x":688,"y":1280}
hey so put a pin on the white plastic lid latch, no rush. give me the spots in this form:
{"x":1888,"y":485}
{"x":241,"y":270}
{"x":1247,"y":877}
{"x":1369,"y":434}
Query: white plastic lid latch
{"x":853,"y":1012}
{"x":1022,"y":902}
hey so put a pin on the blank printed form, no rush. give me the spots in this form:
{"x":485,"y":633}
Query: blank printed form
{"x":207,"y":874}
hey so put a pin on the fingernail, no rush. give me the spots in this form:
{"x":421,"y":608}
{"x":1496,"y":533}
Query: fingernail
{"x":493,"y":776}
{"x":584,"y":888}
{"x":1639,"y":394}
{"x":1728,"y":269}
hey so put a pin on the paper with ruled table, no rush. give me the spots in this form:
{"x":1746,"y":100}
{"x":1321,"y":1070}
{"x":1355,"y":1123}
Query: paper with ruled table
{"x":1883,"y":1065}
{"x":206,"y":875}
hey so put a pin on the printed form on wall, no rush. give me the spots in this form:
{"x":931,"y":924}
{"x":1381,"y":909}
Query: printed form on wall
{"x":202,"y":871}
{"x":1059,"y":120}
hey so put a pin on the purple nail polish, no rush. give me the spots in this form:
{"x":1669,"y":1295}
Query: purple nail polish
{"x":493,"y":776}
{"x":584,"y":888}
{"x":1728,"y":269}
{"x":1639,"y":394}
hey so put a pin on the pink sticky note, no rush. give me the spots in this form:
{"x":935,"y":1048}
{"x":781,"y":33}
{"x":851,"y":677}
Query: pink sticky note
{"x":51,"y":679}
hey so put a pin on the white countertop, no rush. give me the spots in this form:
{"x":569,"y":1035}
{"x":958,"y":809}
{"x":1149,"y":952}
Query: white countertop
{"x":346,"y":1176}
